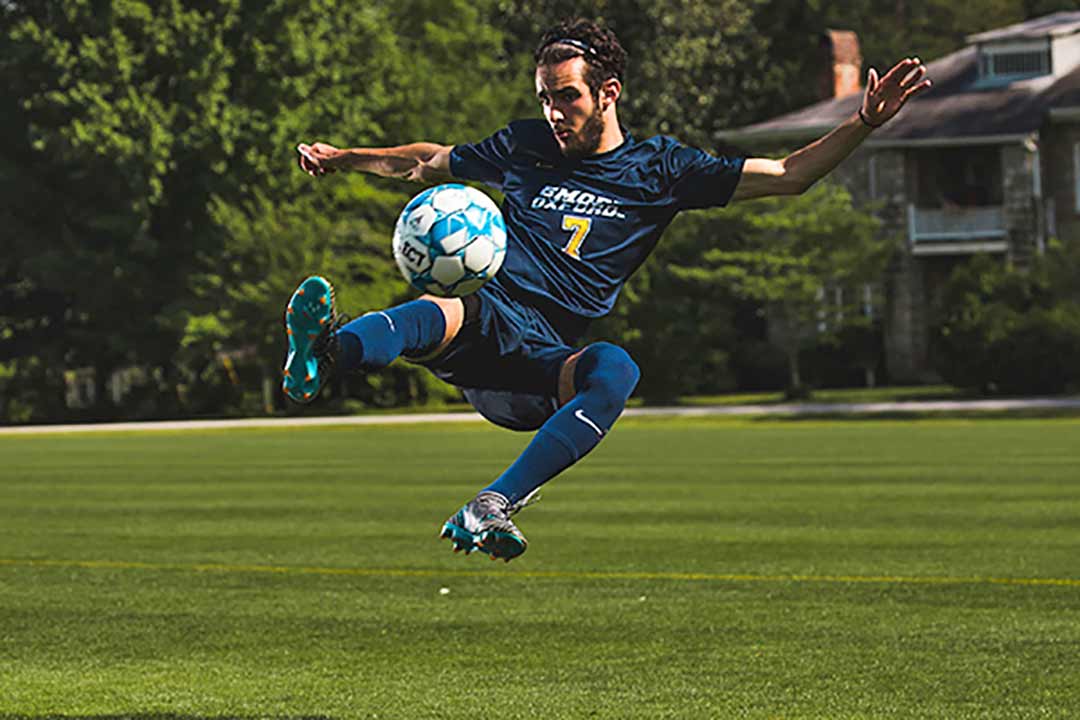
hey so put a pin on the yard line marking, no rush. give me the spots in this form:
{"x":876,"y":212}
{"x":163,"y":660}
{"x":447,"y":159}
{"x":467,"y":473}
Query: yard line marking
{"x":555,"y":574}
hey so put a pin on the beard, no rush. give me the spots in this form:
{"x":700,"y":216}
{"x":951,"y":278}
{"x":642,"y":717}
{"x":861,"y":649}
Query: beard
{"x":585,"y":141}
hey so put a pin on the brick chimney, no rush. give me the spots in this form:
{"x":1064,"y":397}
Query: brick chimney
{"x":842,"y":72}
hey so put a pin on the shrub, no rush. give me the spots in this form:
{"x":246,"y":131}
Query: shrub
{"x":1012,"y":331}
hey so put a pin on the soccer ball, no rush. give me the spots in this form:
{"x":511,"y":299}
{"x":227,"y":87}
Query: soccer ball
{"x":449,"y":240}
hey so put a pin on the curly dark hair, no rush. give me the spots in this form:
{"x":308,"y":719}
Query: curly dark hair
{"x":604,"y":56}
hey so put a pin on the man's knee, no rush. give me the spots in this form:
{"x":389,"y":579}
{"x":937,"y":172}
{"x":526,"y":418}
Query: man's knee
{"x":605,"y":368}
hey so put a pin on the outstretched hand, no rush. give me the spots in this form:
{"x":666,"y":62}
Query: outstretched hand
{"x":318,"y":159}
{"x":886,"y":95}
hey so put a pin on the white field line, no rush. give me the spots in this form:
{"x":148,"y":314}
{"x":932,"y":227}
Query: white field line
{"x":702,"y":411}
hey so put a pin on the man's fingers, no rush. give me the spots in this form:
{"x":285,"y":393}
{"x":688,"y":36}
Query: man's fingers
{"x":306,"y":153}
{"x":901,"y":69}
{"x":915,"y":89}
{"x":308,"y":163}
{"x":885,"y":96}
{"x":303,"y":165}
{"x":914,"y":76}
{"x":891,"y":73}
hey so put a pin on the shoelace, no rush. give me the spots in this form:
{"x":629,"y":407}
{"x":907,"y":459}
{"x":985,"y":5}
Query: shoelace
{"x":325,"y":347}
{"x":530,"y":499}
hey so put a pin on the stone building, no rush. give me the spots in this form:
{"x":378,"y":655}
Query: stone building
{"x":986,"y":161}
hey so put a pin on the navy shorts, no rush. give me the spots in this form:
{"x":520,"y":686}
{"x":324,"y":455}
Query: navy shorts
{"x":507,"y":356}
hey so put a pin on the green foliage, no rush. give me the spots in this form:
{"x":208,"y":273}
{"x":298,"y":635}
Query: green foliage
{"x":156,"y":216}
{"x":354,"y":80}
{"x":114,"y":102}
{"x":677,"y":50}
{"x":698,"y":68}
{"x":679,"y":332}
{"x":1009,"y":330}
{"x":713,"y":272}
{"x":790,"y":255}
{"x":153,"y":218}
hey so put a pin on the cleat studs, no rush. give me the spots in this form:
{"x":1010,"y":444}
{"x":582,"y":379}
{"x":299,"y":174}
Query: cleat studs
{"x":322,"y":321}
{"x":307,"y":395}
{"x":308,"y":378}
{"x":288,"y":331}
{"x":289,"y":310}
{"x":323,"y":300}
{"x":299,"y":291}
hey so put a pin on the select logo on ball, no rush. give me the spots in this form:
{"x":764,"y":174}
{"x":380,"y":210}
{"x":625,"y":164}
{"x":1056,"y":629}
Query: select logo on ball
{"x":414,"y":255}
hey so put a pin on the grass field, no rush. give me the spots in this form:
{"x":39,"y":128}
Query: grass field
{"x":687,"y":569}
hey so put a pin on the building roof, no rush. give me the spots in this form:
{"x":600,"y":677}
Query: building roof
{"x":954,"y":109}
{"x":1055,"y":25}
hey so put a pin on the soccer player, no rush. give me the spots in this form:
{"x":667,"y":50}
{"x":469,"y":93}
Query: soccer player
{"x":585,"y":203}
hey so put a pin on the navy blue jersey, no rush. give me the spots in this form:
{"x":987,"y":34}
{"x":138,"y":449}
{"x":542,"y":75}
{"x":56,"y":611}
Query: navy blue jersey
{"x":578,"y":228}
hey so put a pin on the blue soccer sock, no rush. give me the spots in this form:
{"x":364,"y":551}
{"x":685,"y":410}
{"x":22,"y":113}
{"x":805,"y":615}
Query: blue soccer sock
{"x":376,"y":339}
{"x":604,"y":377}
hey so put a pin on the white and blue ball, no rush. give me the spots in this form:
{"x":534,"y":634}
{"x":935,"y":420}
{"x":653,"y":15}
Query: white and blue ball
{"x":450,"y":240}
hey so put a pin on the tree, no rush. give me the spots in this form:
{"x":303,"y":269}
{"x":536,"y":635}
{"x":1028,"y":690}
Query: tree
{"x":156,"y":218}
{"x":387,"y":76}
{"x":694,"y":68}
{"x":111,"y":104}
{"x":1011,"y":330}
{"x":789,"y":254}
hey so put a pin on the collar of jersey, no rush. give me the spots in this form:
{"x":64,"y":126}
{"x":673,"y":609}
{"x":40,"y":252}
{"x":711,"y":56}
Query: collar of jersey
{"x":628,"y":140}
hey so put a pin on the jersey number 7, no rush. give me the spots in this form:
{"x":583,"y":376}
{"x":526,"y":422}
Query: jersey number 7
{"x":580,"y":227}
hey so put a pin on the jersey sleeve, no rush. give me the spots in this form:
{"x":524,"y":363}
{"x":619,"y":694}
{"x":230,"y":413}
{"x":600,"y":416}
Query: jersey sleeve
{"x":700,"y":180}
{"x":486,"y":161}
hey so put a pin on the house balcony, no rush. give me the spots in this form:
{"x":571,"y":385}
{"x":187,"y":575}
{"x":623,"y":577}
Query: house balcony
{"x":957,"y":230}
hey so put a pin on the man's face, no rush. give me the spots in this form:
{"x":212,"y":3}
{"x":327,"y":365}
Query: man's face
{"x":571,"y":110}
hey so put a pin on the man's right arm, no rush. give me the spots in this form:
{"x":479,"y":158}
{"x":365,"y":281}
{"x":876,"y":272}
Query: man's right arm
{"x":421,"y":162}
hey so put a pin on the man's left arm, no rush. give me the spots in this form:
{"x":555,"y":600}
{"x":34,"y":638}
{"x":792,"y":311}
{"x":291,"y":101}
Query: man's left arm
{"x":795,"y":173}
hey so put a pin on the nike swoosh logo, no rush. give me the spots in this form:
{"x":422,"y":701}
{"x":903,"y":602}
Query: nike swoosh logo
{"x":580,"y":415}
{"x":389,"y":320}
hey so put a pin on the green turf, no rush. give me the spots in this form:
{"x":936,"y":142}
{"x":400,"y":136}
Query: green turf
{"x":687,"y":569}
{"x":901,"y":393}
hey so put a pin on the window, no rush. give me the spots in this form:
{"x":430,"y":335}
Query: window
{"x":1014,"y":60}
{"x":1020,"y":63}
{"x":835,"y":303}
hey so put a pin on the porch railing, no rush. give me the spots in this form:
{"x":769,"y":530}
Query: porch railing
{"x":956,"y":223}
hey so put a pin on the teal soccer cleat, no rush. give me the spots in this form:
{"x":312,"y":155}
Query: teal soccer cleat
{"x":484,"y":524}
{"x":311,"y":323}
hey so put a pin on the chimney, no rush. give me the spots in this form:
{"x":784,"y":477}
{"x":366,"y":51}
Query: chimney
{"x":842,"y":72}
